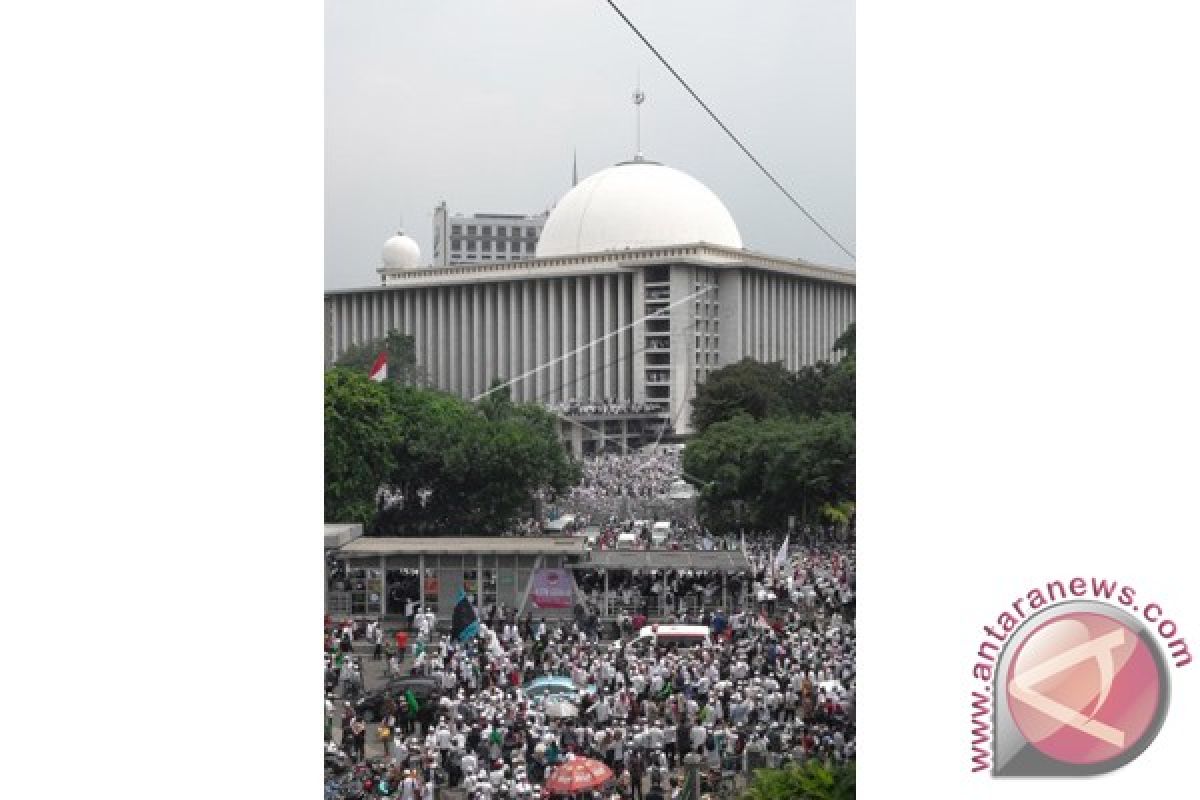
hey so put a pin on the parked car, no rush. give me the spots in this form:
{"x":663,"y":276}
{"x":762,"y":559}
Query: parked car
{"x":427,"y":691}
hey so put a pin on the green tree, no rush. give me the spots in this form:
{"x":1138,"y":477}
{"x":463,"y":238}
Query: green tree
{"x":812,"y":781}
{"x":463,"y":468}
{"x":359,"y":427}
{"x":747,"y":387}
{"x":780,"y":467}
{"x":497,"y":403}
{"x":402,"y":357}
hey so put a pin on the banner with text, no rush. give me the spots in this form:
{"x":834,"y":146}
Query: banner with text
{"x":552,"y":588}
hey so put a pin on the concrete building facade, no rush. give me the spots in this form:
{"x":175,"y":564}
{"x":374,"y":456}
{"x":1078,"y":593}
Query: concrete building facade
{"x":484,"y":238}
{"x":639,"y":289}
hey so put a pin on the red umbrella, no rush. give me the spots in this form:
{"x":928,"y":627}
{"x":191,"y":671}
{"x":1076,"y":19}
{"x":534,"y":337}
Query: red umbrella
{"x":578,"y":775}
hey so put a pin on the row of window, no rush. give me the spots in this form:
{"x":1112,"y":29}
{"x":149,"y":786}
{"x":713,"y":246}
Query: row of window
{"x":711,"y":359}
{"x":710,"y":342}
{"x":458,"y":258}
{"x":486,"y":230}
{"x":456,"y":245}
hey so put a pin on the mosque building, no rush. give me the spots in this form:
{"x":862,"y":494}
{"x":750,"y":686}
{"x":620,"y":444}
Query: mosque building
{"x":638,"y":289}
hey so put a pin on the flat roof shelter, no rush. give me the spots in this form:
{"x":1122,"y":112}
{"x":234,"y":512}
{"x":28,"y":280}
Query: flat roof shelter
{"x":383,"y":573}
{"x":638,"y":562}
{"x":535,"y":573}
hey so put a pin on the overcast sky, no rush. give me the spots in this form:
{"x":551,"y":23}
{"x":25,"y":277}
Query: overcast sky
{"x":481,"y":104}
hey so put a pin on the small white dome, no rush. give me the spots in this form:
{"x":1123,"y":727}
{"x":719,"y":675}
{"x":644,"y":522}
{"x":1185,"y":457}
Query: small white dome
{"x":401,"y":252}
{"x":636,"y":204}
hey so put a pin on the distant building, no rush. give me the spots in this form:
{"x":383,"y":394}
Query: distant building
{"x":484,"y":238}
{"x":638,"y":288}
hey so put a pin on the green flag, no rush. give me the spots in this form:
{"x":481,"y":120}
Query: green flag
{"x":411,"y":699}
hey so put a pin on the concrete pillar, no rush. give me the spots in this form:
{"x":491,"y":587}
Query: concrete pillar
{"x":566,"y":382}
{"x":511,"y":317}
{"x":383,"y":590}
{"x":579,"y":364}
{"x":465,"y":353}
{"x":500,"y":332}
{"x":594,"y":352}
{"x":335,"y":339}
{"x":479,"y":356}
{"x":539,"y":340}
{"x":623,"y":348}
{"x":445,"y":379}
{"x":608,"y":302}
{"x":638,"y":336}
{"x":524,"y":388}
{"x":553,"y":342}
{"x":683,"y":344}
{"x":577,"y":441}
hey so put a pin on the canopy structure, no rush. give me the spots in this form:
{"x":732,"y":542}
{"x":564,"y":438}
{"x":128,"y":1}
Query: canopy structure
{"x":578,"y":775}
{"x":718,"y":564}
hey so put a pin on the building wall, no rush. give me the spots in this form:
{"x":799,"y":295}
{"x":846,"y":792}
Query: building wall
{"x":468,"y":334}
{"x":484,"y":238}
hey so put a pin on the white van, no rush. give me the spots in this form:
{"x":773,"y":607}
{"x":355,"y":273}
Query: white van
{"x":660,"y":533}
{"x":653,"y":636}
{"x":626,"y":541}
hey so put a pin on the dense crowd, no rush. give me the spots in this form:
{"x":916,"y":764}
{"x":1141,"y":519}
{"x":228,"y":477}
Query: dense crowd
{"x":772,"y":684}
{"x":606,"y":407}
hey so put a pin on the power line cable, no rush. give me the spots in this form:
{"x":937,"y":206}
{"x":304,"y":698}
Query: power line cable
{"x":730,"y":133}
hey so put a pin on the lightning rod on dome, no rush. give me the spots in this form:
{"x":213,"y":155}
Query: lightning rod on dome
{"x":639,"y":97}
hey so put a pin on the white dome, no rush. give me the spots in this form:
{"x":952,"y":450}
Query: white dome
{"x":636,"y":204}
{"x":401,"y":252}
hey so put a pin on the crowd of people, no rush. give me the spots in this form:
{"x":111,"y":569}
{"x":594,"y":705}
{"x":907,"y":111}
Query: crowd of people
{"x":606,"y":407}
{"x":772,"y":684}
{"x":627,"y":485}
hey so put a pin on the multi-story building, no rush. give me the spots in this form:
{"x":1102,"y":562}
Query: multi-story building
{"x":484,"y":238}
{"x":638,"y":289}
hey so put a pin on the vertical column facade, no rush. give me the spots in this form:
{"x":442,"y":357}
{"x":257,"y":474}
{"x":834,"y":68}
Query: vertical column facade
{"x":567,"y":339}
{"x":580,"y":360}
{"x":479,"y":360}
{"x":553,"y":342}
{"x":526,"y":385}
{"x":596,"y":351}
{"x":623,"y":348}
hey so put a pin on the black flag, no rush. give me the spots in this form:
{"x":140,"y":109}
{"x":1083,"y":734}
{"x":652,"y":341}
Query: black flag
{"x":464,"y":623}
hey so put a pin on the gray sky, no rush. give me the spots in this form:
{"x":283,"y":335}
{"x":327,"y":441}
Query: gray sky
{"x":481,"y":104}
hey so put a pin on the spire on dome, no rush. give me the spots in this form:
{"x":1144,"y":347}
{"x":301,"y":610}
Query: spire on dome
{"x":639,"y":97}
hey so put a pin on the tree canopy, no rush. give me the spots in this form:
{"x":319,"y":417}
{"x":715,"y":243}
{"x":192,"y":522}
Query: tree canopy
{"x":747,"y":387}
{"x":402,"y":357}
{"x":773,"y":444}
{"x":360,"y":419}
{"x":437,"y":464}
{"x":812,"y":781}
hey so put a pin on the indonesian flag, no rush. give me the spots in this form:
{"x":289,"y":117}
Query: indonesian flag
{"x":379,"y":368}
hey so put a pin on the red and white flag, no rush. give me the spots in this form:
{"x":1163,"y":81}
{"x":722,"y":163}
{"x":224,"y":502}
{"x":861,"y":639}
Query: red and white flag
{"x":379,"y":368}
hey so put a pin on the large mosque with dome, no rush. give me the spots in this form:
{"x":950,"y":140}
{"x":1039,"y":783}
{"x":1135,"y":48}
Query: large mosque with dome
{"x":639,"y":288}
